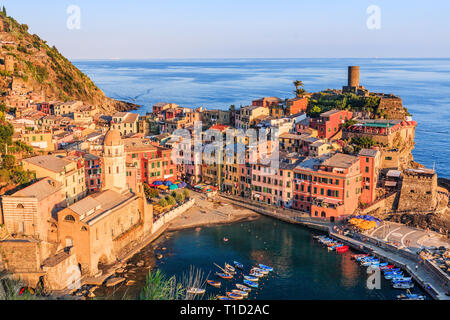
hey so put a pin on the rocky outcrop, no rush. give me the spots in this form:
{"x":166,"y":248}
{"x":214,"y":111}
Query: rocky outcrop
{"x":28,"y":63}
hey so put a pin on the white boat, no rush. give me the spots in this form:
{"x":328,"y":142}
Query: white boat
{"x":263,"y":271}
{"x":196,"y":291}
{"x":403,"y":285}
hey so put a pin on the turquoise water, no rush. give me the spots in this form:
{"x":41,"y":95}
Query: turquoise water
{"x":303,"y":269}
{"x":423,"y":84}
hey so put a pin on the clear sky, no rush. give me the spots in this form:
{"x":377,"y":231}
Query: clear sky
{"x":145,"y":29}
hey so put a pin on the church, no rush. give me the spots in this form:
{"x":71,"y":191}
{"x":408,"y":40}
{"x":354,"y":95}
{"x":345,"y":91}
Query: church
{"x":103,"y":226}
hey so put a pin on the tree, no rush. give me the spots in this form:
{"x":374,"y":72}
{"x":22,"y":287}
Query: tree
{"x":299,"y":91}
{"x":4,"y":11}
{"x":8,"y":161}
{"x":186,"y":193}
{"x":315,"y":111}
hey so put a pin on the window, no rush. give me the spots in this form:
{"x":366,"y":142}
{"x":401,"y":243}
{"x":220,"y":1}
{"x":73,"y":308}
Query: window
{"x":69,"y":218}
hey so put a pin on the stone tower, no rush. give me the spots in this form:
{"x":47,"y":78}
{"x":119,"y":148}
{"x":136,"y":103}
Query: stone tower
{"x":353,"y":76}
{"x":114,"y":161}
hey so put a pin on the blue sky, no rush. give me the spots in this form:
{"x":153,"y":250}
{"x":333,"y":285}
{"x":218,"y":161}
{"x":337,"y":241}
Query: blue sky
{"x":145,"y":29}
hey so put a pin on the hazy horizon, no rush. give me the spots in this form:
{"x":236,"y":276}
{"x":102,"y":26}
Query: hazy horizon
{"x":201,"y":29}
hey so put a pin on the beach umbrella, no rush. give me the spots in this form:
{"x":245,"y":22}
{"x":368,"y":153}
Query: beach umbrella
{"x":152,"y":185}
{"x":173,"y":187}
{"x":157,"y":183}
{"x":168,"y":183}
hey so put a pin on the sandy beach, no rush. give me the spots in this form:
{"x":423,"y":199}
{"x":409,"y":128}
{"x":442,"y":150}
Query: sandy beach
{"x":207,"y":212}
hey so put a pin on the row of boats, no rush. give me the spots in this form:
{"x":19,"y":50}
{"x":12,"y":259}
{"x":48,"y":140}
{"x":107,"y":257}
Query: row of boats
{"x":250,"y":281}
{"x":398,"y":279}
{"x":331,"y":244}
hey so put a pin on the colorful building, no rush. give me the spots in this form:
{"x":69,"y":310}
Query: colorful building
{"x":329,"y":123}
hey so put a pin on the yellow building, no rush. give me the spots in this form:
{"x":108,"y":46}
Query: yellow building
{"x":69,"y":172}
{"x":39,"y":140}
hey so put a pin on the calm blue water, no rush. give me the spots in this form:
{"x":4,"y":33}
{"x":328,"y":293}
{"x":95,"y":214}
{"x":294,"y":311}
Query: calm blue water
{"x":303,"y":269}
{"x":423,"y":84}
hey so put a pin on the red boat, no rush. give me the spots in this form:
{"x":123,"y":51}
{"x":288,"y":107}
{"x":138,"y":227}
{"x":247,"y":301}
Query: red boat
{"x":390,"y":266}
{"x":342,"y":249}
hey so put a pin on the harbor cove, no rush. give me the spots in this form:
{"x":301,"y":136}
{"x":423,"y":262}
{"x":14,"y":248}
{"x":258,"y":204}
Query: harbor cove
{"x":303,"y":268}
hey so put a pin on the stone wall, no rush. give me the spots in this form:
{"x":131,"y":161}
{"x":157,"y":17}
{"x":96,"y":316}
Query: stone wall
{"x":392,"y":107}
{"x":62,"y":272}
{"x":20,"y":256}
{"x":418,"y":192}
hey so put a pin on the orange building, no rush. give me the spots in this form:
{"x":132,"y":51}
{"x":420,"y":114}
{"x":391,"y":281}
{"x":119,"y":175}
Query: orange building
{"x":370,"y":160}
{"x":327,"y":186}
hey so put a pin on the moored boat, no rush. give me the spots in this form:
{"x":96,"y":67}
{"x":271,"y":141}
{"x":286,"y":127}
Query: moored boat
{"x":403,"y":285}
{"x":250,"y":283}
{"x":196,"y":291}
{"x":229,"y":267}
{"x":224,"y":275}
{"x":243,"y":288}
{"x":263,"y":271}
{"x":262,"y":266}
{"x":251,"y":278}
{"x":256,"y":274}
{"x":215,"y":284}
{"x":240,"y":292}
{"x":234,"y":296}
{"x":342,"y":249}
{"x":223,"y":298}
{"x":238,"y":265}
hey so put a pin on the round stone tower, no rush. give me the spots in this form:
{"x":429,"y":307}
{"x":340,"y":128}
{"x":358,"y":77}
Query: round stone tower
{"x":353,"y":76}
{"x":114,"y":161}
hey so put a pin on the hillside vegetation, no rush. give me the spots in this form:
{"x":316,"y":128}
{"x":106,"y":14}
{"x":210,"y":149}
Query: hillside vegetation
{"x":29,"y":62}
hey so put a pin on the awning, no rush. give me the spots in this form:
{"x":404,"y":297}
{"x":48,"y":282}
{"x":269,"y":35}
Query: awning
{"x":394,"y":173}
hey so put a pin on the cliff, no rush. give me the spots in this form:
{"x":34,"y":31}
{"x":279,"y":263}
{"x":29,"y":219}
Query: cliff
{"x":27,"y":64}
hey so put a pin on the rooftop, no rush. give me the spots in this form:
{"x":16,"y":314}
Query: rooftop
{"x":40,"y":190}
{"x":340,"y":160}
{"x":96,"y":204}
{"x":49,"y":162}
{"x":368,"y":152}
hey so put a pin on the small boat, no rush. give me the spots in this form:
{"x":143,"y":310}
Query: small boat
{"x":251,"y":283}
{"x":356,"y":256}
{"x":224,"y":275}
{"x":342,"y":249}
{"x":403,"y":285}
{"x":256,"y":274}
{"x":389,"y":266}
{"x":229,"y":267}
{"x":238,"y":265}
{"x":259,"y":270}
{"x":240,"y":292}
{"x":215,"y":284}
{"x":251,"y":278}
{"x":223,"y":298}
{"x":225,"y":239}
{"x":243,"y":288}
{"x":196,"y":291}
{"x":410,"y":296}
{"x":234,"y":296}
{"x":265,"y":267}
{"x":402,"y":279}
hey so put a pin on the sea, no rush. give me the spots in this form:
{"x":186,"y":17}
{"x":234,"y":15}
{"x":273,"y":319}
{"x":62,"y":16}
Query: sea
{"x":423,"y":85}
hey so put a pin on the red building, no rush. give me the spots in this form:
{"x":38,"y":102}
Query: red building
{"x":153,"y":162}
{"x":297,"y":105}
{"x":327,"y":187}
{"x":267,"y":102}
{"x":329,"y":123}
{"x":93,"y":172}
{"x":369,"y":164}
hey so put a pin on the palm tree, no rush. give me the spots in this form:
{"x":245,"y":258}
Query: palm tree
{"x":299,"y":91}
